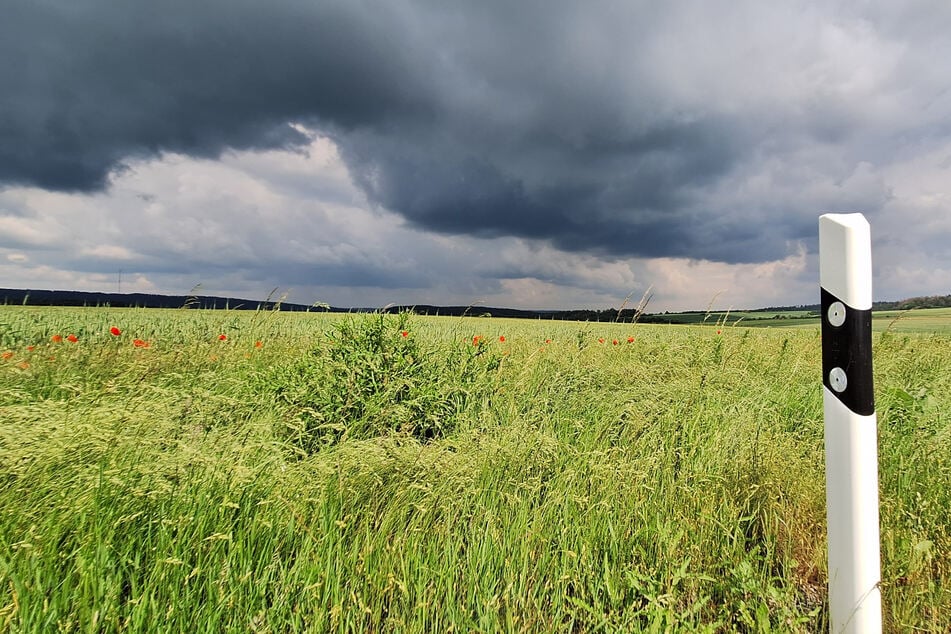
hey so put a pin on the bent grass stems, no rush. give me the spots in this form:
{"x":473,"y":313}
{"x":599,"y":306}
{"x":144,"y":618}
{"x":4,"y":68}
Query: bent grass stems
{"x":670,"y":483}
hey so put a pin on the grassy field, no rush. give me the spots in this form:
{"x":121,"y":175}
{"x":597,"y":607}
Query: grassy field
{"x":736,"y":318}
{"x":926,"y":320}
{"x":275,"y":472}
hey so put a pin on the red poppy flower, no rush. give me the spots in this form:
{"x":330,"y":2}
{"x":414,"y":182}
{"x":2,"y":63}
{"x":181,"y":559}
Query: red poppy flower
{"x":72,"y":338}
{"x":719,"y":331}
{"x":600,"y":339}
{"x":30,"y":348}
{"x":8,"y":354}
{"x":476,"y":340}
{"x":23,"y":365}
{"x":615,"y":342}
{"x":56,"y":338}
{"x":630,"y":339}
{"x":405,"y":333}
{"x":258,"y":344}
{"x":138,"y":343}
{"x":115,"y":331}
{"x":502,"y":338}
{"x":222,"y":337}
{"x":547,"y":340}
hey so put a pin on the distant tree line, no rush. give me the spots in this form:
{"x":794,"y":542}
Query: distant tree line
{"x":36,"y":297}
{"x":39,"y":297}
{"x":931,"y":301}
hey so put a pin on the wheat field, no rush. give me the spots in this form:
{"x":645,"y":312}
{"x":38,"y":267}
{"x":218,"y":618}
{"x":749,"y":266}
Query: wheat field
{"x":240,"y":471}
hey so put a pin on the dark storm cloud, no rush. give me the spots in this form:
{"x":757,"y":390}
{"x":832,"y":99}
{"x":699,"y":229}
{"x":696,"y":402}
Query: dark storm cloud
{"x":346,"y":274}
{"x":598,"y":128}
{"x":88,"y":84}
{"x":615,"y":196}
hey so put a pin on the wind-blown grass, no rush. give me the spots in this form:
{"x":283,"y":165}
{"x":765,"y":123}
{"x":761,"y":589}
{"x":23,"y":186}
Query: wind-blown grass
{"x":674,"y":483}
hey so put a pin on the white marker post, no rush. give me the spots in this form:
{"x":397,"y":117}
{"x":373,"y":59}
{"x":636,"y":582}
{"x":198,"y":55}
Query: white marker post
{"x":845,"y":275}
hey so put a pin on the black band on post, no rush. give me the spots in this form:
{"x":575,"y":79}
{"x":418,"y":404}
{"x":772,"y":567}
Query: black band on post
{"x":847,"y":354}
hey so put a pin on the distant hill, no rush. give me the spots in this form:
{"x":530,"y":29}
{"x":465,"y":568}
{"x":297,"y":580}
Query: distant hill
{"x":34,"y":297}
{"x":476,"y":311}
{"x":930,"y":301}
{"x":37,"y":297}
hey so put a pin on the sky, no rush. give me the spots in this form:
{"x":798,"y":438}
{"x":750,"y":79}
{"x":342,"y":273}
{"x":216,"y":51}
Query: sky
{"x":542,"y":154}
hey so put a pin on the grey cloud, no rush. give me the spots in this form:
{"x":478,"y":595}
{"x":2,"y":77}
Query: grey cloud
{"x":607,"y":129}
{"x":99,"y":82}
{"x":14,"y":209}
{"x":354,"y":273}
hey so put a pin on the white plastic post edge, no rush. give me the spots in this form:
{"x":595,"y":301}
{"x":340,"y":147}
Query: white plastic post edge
{"x":845,"y":258}
{"x":851,"y":447}
{"x":855,"y":600}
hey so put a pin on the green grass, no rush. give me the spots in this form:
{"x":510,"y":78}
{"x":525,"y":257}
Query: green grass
{"x":922,"y":320}
{"x":343,"y":477}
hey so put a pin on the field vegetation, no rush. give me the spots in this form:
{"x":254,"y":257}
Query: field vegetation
{"x":218,"y":471}
{"x":920,"y":320}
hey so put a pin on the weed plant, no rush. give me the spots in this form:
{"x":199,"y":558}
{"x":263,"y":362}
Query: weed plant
{"x":343,"y":477}
{"x":367,"y":378}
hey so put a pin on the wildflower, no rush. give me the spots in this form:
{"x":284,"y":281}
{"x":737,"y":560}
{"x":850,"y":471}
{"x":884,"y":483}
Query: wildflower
{"x":222,"y":337}
{"x":138,"y":343}
{"x":23,"y":365}
{"x":30,"y":348}
{"x":719,"y":331}
{"x":7,"y":354}
{"x":476,"y":340}
{"x":600,"y":339}
{"x":405,"y":333}
{"x":258,"y":344}
{"x":502,"y":338}
{"x":72,"y":338}
{"x":56,"y":338}
{"x":115,"y":331}
{"x":547,"y":340}
{"x":630,"y":339}
{"x":615,"y":342}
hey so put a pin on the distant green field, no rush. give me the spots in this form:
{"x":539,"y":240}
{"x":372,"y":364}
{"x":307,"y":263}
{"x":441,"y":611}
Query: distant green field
{"x":925,"y":320}
{"x":732,"y":318}
{"x":231,"y":471}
